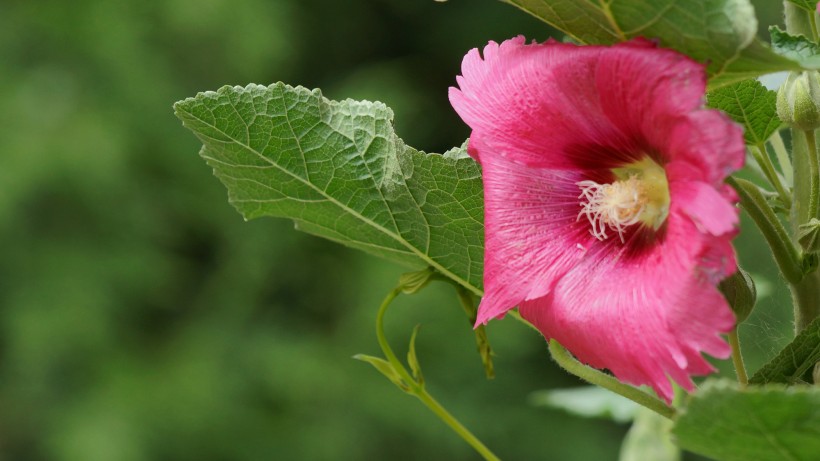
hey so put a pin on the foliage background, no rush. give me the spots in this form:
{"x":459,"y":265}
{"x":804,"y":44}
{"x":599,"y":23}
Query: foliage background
{"x":142,"y":319}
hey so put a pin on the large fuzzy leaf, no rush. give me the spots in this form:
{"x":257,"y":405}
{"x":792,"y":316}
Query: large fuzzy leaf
{"x":338,"y":170}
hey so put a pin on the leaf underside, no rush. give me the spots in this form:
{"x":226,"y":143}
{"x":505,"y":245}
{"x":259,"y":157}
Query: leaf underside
{"x":719,"y":33}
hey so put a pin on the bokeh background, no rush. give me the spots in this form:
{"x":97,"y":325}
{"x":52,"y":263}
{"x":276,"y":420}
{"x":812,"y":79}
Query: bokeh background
{"x":142,"y":319}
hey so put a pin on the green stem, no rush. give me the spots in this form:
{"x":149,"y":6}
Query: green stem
{"x":814,"y":178}
{"x":737,"y":359}
{"x":782,"y":157}
{"x":806,"y":299}
{"x":418,"y":390}
{"x":456,"y":426}
{"x":593,"y":376}
{"x":785,"y":253}
{"x":765,"y":163}
{"x":813,"y":23}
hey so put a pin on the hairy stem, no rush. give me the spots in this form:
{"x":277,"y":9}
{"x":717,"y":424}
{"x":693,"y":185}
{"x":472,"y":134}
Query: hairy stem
{"x":593,"y":376}
{"x":782,"y":157}
{"x":737,"y":358}
{"x":806,"y":299}
{"x":765,"y":163}
{"x":812,"y":208}
{"x":785,"y":253}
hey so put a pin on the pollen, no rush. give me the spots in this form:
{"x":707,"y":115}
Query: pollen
{"x":639,"y":195}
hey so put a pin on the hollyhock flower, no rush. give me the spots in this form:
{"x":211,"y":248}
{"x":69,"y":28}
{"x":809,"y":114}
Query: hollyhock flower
{"x":607,"y":221}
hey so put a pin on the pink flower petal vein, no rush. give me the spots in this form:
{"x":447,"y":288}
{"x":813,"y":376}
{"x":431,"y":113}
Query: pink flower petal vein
{"x":607,"y":221}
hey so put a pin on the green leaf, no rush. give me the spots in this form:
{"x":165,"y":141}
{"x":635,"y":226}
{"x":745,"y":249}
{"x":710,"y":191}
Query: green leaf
{"x":412,"y":359}
{"x":808,"y":5}
{"x":384,"y":367}
{"x":340,"y":172}
{"x":649,"y":438}
{"x":588,"y":402}
{"x":771,"y":423}
{"x":750,"y":104}
{"x":720,"y":33}
{"x":796,"y":47}
{"x":794,"y":363}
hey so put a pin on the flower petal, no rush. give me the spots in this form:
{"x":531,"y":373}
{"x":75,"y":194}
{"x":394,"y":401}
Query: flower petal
{"x":562,"y":106}
{"x":532,"y":233}
{"x":644,"y":318}
{"x":709,"y":209}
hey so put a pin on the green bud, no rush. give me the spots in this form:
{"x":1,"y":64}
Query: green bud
{"x":739,"y":291}
{"x":798,"y":100}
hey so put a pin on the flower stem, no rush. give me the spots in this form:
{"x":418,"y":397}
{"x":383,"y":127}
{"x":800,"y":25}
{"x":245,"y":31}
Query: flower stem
{"x":737,"y":358}
{"x":417,"y":389}
{"x":782,"y":157}
{"x":806,"y":300}
{"x":762,"y":158}
{"x":814,"y":178}
{"x":593,"y":376}
{"x":785,"y":253}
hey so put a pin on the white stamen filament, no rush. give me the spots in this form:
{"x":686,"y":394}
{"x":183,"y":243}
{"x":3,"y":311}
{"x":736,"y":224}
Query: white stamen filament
{"x":616,"y":206}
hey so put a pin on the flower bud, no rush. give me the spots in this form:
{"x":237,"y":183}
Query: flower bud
{"x":739,"y":290}
{"x":798,"y":100}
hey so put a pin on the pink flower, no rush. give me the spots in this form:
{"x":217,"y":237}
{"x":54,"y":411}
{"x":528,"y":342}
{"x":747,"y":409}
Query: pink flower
{"x":606,"y":217}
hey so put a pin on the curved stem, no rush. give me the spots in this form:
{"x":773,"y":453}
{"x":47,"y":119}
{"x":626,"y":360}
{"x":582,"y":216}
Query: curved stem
{"x":418,"y":390}
{"x":785,"y":253}
{"x":593,"y":376}
{"x":385,"y":346}
{"x":737,"y":359}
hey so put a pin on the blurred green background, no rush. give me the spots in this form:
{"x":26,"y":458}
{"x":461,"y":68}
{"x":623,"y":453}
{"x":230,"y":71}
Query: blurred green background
{"x":142,"y":319}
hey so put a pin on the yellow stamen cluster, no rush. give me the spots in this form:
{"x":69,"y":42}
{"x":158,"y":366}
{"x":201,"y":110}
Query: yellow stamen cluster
{"x":640,"y":194}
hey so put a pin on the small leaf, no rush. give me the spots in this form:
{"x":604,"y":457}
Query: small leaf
{"x":588,"y":401}
{"x":771,"y":423}
{"x":808,"y":5}
{"x":468,"y":303}
{"x":649,"y":438}
{"x":384,"y":368}
{"x":720,"y":33}
{"x":485,"y":351}
{"x":750,"y":104}
{"x":795,"y":362}
{"x":412,"y":359}
{"x":796,"y":47}
{"x":338,"y":170}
